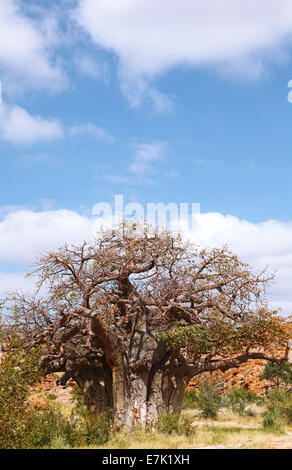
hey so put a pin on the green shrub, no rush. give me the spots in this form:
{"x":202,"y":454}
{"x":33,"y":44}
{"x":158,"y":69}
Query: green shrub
{"x":237,"y":399}
{"x":240,"y":393}
{"x":95,"y":429}
{"x":51,"y":396}
{"x":23,"y":428}
{"x":41,"y":429}
{"x":174,"y":424}
{"x":190,"y":399}
{"x":77,"y":398}
{"x":185,"y":427}
{"x":18,"y":371}
{"x":208,"y":400}
{"x":168,"y":423}
{"x":279,"y":409}
{"x":272,"y":421}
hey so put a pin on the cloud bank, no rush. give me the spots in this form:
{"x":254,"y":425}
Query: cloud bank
{"x":25,"y":233}
{"x":150,"y":37}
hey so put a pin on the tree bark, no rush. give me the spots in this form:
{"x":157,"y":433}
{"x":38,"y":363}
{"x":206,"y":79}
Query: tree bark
{"x":97,"y":389}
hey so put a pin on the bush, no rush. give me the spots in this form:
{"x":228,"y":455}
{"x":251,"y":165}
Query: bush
{"x":51,"y":396}
{"x":96,"y":429}
{"x":41,"y":429}
{"x":208,"y":400}
{"x":77,"y":397}
{"x":185,"y":427}
{"x":279,"y":408}
{"x":237,"y":398}
{"x":174,"y":424}
{"x":24,"y":428}
{"x":18,"y":371}
{"x":168,"y":423}
{"x":190,"y":399}
{"x":49,"y":428}
{"x":272,"y":421}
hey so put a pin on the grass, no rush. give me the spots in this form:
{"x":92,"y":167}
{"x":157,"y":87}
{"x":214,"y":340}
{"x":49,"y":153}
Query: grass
{"x":228,"y":431}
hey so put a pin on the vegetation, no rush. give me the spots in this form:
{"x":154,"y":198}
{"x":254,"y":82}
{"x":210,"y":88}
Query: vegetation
{"x":208,"y":400}
{"x":207,"y":422}
{"x":145,"y":304}
{"x":238,"y":399}
{"x":277,"y":374}
{"x":18,"y":371}
{"x":279,"y":409}
{"x":132,"y":305}
{"x":24,"y":428}
{"x":175,"y":424}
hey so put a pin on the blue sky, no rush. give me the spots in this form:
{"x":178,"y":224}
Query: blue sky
{"x":159,"y":101}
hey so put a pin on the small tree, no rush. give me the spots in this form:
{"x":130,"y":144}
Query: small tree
{"x":209,"y":400}
{"x":135,"y":314}
{"x":277,"y":374}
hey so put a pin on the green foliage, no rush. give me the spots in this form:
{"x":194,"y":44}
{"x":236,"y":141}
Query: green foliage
{"x":185,"y":427}
{"x":237,"y":398}
{"x":41,"y":429}
{"x":95,"y":429}
{"x":277,"y":374}
{"x":18,"y":371}
{"x":272,"y":421}
{"x":51,"y":396}
{"x":23,"y":428}
{"x":175,"y":424}
{"x":168,"y":423}
{"x":208,"y":400}
{"x":257,"y":329}
{"x":190,"y":399}
{"x":279,"y":409}
{"x":77,"y":397}
{"x":195,"y":338}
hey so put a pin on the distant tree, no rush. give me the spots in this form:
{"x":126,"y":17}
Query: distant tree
{"x":134,"y":315}
{"x":277,"y":374}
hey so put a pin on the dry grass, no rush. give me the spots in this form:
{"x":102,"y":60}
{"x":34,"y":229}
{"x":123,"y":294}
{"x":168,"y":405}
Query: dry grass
{"x":228,"y":431}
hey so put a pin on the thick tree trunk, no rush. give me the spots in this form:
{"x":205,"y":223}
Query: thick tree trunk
{"x":134,"y":404}
{"x":144,"y":382}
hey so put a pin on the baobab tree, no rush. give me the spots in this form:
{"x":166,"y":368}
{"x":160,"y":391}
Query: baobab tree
{"x":135,"y":314}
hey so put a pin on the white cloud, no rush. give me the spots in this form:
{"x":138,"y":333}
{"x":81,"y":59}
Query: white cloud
{"x":88,"y":66}
{"x":9,"y":282}
{"x":25,"y":233}
{"x":263,"y":244}
{"x":152,"y":36}
{"x":146,"y":155}
{"x":90,"y":130}
{"x":19,"y":127}
{"x":26,"y":46}
{"x":138,"y":90}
